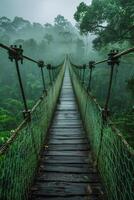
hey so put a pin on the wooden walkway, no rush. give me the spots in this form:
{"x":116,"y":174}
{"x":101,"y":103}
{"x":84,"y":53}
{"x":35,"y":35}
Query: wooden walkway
{"x":66,"y":170}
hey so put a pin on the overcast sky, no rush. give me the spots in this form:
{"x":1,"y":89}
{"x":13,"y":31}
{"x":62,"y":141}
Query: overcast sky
{"x":39,"y":10}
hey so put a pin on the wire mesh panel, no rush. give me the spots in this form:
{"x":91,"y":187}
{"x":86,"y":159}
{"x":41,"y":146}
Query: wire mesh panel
{"x":115,"y":158}
{"x":20,"y":155}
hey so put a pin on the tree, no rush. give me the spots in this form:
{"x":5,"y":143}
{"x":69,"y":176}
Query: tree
{"x":110,"y":20}
{"x":61,"y":23}
{"x":49,"y":38}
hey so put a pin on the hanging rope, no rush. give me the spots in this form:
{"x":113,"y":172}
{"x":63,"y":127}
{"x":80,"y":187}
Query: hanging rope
{"x":112,"y":61}
{"x":114,"y":156}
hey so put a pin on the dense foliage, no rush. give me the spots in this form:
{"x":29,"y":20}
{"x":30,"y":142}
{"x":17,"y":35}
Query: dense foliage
{"x":109,"y":20}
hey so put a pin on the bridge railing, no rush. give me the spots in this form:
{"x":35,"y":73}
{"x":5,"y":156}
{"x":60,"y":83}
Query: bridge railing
{"x":19,"y":156}
{"x":113,"y":155}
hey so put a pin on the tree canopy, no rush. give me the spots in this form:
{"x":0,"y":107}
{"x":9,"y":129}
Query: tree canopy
{"x":109,"y":20}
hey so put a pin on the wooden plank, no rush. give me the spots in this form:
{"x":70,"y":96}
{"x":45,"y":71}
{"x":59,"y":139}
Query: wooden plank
{"x":67,"y":147}
{"x":67,"y":153}
{"x":67,"y":136}
{"x":66,"y":130}
{"x":67,"y":126}
{"x":63,"y":189}
{"x":68,"y":198}
{"x":55,"y":141}
{"x":68,"y":168}
{"x":72,"y":178}
{"x":63,"y":138}
{"x":68,"y":123}
{"x":67,"y":159}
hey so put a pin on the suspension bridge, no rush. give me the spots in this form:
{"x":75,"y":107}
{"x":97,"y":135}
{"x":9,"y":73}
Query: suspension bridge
{"x":66,"y":147}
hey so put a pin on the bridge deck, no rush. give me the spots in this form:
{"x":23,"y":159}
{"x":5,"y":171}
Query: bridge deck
{"x":66,"y":170}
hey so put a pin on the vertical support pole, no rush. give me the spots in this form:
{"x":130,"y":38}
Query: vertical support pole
{"x":49,"y":69}
{"x":112,"y":61}
{"x":109,"y":88}
{"x":21,"y":86}
{"x":52,"y":73}
{"x":84,"y":68}
{"x":16,"y":53}
{"x":79,"y":73}
{"x":91,"y":66}
{"x":41,"y":65}
{"x":43,"y":79}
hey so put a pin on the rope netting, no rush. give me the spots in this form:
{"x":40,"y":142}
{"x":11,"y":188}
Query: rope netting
{"x":19,"y":156}
{"x":113,"y":155}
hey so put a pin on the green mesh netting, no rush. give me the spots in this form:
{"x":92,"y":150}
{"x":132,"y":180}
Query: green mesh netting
{"x":115,"y":157}
{"x":18,"y":163}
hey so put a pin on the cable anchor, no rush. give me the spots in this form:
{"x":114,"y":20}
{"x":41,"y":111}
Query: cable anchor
{"x":91,"y":67}
{"x":15,"y":53}
{"x":41,"y":65}
{"x":49,"y":67}
{"x":84,"y":68}
{"x":91,"y":64}
{"x":112,"y":59}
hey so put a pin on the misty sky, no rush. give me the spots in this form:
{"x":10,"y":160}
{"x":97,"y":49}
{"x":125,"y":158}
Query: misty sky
{"x":39,"y":10}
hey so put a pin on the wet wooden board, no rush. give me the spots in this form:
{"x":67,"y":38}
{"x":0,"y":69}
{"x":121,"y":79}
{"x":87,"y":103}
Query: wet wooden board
{"x":66,"y":168}
{"x":62,"y":189}
{"x":68,"y":159}
{"x":70,"y":147}
{"x":66,"y":137}
{"x":66,"y":153}
{"x":67,"y":198}
{"x":67,"y":141}
{"x":69,"y":168}
{"x":68,"y":177}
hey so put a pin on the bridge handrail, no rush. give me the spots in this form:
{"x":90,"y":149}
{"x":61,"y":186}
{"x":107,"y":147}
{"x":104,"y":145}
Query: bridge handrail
{"x":20,"y":155}
{"x":110,"y":123}
{"x":113,"y":155}
{"x":118,"y":55}
{"x":14,"y":133}
{"x":23,"y":56}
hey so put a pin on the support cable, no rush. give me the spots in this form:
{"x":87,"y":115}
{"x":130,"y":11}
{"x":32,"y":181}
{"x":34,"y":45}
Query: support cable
{"x":41,"y":66}
{"x":17,"y":55}
{"x":91,"y":67}
{"x":112,"y":61}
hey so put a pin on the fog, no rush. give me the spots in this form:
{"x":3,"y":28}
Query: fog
{"x":42,"y":11}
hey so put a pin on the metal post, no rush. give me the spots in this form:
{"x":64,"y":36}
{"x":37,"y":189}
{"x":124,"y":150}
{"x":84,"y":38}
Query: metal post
{"x":21,"y":85}
{"x":16,"y":53}
{"x":84,"y":68}
{"x":50,"y":77}
{"x":91,"y":66}
{"x":109,"y":88}
{"x":43,"y":80}
{"x":41,"y":66}
{"x":52,"y":74}
{"x":112,"y":61}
